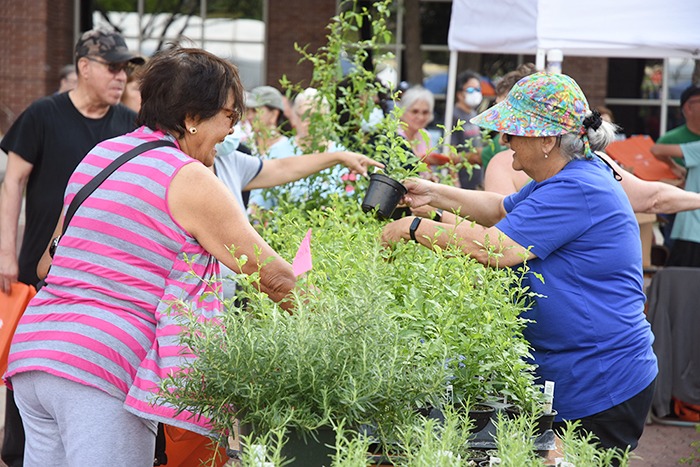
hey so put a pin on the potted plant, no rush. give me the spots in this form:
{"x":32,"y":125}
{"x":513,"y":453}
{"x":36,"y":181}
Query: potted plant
{"x":348,"y":98}
{"x":385,"y":189}
{"x":582,"y":449}
{"x":341,"y":357}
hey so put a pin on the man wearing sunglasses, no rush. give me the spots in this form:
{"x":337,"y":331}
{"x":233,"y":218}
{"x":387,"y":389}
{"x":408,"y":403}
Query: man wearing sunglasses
{"x":44,"y":145}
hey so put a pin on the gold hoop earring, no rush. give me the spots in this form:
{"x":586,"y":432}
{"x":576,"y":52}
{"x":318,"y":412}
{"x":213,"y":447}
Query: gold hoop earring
{"x":193,"y":130}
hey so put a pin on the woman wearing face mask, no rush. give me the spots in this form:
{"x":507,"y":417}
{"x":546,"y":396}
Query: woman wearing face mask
{"x":468,"y":97}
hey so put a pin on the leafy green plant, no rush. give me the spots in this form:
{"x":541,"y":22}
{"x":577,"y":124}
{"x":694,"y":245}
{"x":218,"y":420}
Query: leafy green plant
{"x":515,"y":441}
{"x":376,"y":334}
{"x":582,"y":449}
{"x":347,"y":100}
{"x":695,"y":456}
{"x":476,"y":311}
{"x":340,"y":357}
{"x":435,"y":444}
{"x":394,"y":151}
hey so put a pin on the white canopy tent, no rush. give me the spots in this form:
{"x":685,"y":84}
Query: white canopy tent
{"x":594,"y":28}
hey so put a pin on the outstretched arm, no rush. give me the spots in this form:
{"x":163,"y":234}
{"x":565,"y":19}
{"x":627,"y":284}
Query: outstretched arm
{"x":276,"y":172}
{"x":472,"y":239}
{"x":480,"y":206}
{"x":654,"y":197}
{"x":206,"y":209}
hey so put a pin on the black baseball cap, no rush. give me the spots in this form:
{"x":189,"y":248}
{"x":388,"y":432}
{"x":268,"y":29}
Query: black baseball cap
{"x":106,"y":44}
{"x":689,"y":92}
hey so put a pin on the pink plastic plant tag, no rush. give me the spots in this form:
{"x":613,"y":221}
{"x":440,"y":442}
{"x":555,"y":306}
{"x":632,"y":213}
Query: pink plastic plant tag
{"x":302,"y":260}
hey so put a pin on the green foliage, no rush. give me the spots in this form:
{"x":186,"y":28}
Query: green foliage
{"x":583,"y":449}
{"x":376,"y":334}
{"x":476,"y":311}
{"x":515,"y":441}
{"x":340,"y":357}
{"x":435,"y":444}
{"x":348,"y":101}
{"x":695,"y":456}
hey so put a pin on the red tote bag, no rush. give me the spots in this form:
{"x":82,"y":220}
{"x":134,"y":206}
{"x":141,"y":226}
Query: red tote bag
{"x":12,"y":307}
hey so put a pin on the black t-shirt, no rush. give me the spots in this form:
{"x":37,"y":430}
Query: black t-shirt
{"x":54,"y":136}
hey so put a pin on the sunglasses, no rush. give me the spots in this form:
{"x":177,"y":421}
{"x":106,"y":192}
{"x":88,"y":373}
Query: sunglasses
{"x":508,"y":138}
{"x":114,"y":68}
{"x":471,"y":89}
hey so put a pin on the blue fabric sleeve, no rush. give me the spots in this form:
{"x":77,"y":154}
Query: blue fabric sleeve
{"x":546,"y":216}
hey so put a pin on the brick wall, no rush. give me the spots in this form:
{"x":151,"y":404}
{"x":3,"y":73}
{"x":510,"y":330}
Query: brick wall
{"x":290,"y":21}
{"x":37,"y":40}
{"x":591,"y":73}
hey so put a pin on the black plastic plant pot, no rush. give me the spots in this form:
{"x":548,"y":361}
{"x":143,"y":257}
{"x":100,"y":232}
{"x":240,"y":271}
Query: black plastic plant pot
{"x":543,"y":422}
{"x":383,"y":195}
{"x":308,"y":451}
{"x":481,"y":415}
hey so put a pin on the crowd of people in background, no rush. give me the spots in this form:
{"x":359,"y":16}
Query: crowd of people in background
{"x":234,"y":145}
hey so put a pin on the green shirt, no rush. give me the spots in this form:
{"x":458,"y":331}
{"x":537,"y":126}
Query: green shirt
{"x":679,"y":135}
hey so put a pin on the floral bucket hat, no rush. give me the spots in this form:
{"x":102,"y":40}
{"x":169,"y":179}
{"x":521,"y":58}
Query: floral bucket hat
{"x":541,"y":104}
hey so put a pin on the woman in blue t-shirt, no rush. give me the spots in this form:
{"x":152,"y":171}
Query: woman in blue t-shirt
{"x":575,"y":226}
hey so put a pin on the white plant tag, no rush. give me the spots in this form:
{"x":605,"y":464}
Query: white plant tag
{"x":548,"y":396}
{"x":257,"y":455}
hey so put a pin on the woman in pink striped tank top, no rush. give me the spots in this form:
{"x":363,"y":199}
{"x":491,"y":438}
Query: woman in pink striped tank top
{"x":94,"y":345}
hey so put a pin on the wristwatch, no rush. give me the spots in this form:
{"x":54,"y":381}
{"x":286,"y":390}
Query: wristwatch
{"x":414,"y":227}
{"x":437,"y":215}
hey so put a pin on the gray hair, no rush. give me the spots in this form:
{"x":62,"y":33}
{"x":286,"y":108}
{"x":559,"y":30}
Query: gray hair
{"x":572,"y":145}
{"x":310,"y":98}
{"x":415,"y":94}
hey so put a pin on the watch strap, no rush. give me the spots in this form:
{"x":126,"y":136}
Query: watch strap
{"x":414,"y":226}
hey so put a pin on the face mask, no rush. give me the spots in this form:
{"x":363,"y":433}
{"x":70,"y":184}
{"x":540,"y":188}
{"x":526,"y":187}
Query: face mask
{"x":228,"y":145}
{"x":473,"y":99}
{"x":375,"y":117}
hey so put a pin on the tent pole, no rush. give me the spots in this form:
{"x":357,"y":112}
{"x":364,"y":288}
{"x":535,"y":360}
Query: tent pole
{"x":540,"y":59}
{"x":663,"y":117}
{"x":450,"y":100}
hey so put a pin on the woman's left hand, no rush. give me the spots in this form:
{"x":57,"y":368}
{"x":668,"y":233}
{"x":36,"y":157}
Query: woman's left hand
{"x":358,"y":163}
{"x":396,"y":231}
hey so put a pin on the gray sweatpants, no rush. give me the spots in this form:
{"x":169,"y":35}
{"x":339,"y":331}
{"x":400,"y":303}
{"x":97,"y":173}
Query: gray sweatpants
{"x":73,"y":425}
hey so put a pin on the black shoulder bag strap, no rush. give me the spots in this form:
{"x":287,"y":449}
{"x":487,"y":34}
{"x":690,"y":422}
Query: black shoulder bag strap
{"x":89,"y":187}
{"x":106,"y":172}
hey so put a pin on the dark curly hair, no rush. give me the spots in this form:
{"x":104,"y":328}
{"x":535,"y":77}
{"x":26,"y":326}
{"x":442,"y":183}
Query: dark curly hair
{"x":186,"y":82}
{"x":506,"y":83}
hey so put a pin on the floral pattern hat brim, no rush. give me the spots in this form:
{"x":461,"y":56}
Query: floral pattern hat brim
{"x":541,"y":104}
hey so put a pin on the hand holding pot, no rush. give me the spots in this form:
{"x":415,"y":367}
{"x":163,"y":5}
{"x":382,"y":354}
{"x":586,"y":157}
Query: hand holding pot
{"x":420,"y":192}
{"x":358,"y":163}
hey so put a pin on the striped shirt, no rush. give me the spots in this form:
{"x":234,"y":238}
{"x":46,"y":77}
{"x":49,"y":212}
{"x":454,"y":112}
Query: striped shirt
{"x":105,"y":318}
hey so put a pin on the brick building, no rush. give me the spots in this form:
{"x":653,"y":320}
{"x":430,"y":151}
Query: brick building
{"x":38,"y":38}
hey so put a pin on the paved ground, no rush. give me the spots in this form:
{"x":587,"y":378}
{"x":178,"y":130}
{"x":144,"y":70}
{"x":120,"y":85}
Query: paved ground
{"x":665,"y":445}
